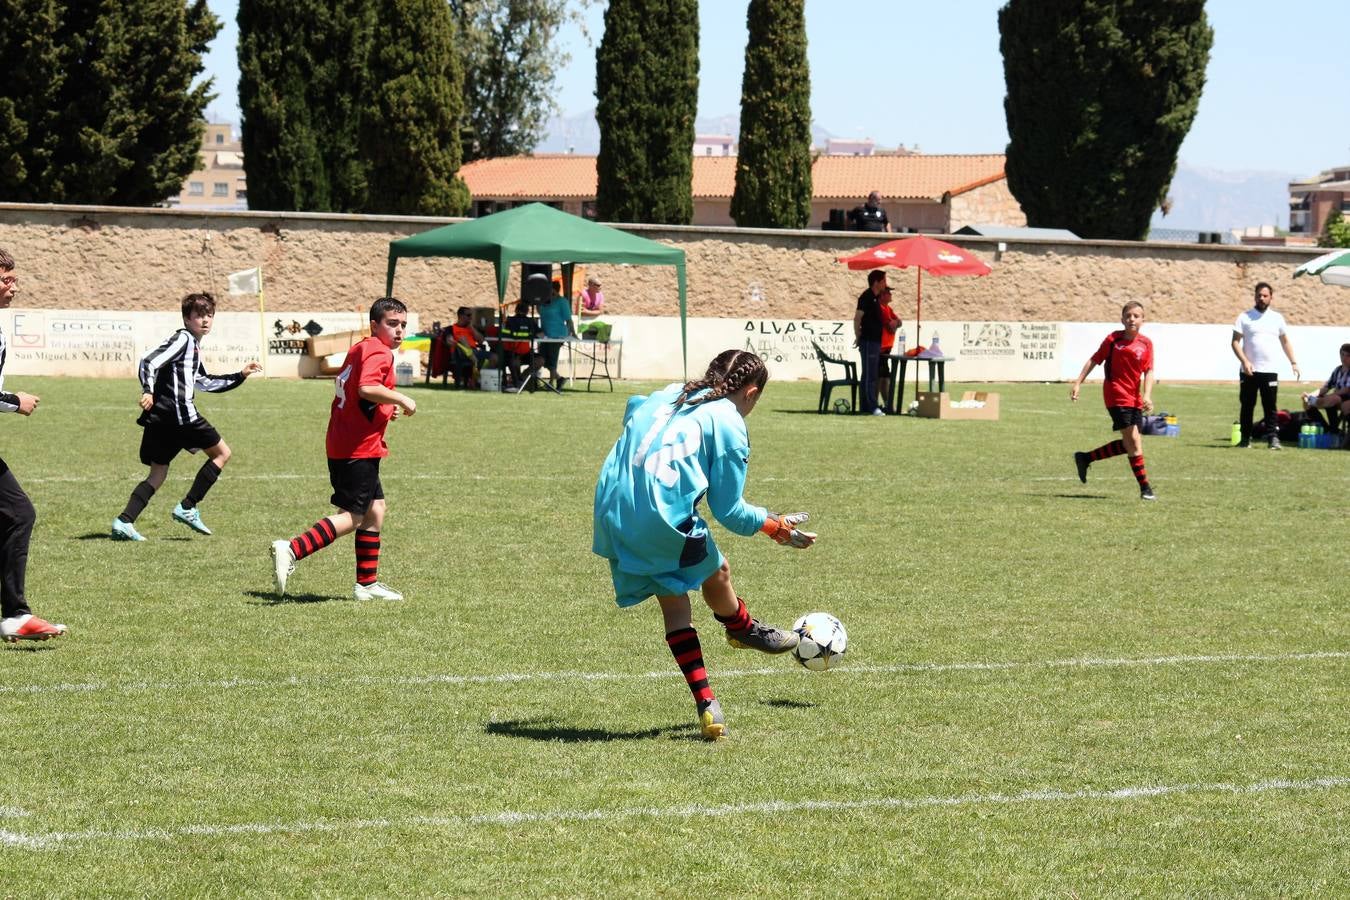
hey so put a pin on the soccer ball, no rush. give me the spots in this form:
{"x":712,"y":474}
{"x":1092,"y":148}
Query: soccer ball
{"x":823,"y":641}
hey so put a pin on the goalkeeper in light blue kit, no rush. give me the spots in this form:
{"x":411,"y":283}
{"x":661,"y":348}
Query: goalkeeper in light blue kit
{"x":678,"y":446}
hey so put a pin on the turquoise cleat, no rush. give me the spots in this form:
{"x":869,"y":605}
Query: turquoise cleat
{"x":191,"y":518}
{"x":125,"y":531}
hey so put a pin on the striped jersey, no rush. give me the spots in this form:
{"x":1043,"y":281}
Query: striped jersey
{"x":8,"y":402}
{"x":663,"y":465}
{"x":171,"y":372}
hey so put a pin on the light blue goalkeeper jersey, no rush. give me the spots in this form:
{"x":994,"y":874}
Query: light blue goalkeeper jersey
{"x":664,"y":463}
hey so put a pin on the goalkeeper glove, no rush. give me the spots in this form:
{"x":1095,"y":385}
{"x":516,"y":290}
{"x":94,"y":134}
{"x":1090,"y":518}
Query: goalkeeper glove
{"x":783,"y":529}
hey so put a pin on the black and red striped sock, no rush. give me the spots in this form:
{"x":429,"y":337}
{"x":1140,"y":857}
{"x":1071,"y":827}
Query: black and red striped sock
{"x":737,"y":621}
{"x":1137,"y":466}
{"x":367,"y":556}
{"x":321,"y":535}
{"x":1106,"y":451}
{"x":688,"y":653}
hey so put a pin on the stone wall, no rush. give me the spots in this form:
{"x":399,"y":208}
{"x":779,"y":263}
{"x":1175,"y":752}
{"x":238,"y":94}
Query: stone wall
{"x":132,"y":259}
{"x":988,"y":204}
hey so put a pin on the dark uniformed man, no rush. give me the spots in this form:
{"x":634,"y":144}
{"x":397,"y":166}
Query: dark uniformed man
{"x":870,"y":216}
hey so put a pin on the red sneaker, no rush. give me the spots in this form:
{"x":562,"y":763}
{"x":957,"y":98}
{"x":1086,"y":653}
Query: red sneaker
{"x":29,"y":627}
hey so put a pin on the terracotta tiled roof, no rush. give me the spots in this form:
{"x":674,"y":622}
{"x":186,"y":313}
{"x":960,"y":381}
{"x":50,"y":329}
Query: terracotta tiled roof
{"x":915,"y":176}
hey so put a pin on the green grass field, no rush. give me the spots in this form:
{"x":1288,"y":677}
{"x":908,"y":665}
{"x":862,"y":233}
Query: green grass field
{"x":1051,"y":689}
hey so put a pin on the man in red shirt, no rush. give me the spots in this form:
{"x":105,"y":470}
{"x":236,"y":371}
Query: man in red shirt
{"x":1127,"y":392}
{"x":364,"y":404}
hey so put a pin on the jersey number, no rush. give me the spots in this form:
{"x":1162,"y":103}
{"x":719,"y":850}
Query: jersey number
{"x":340,"y":386}
{"x":683,"y":441}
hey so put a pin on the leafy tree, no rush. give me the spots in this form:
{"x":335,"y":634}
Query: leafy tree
{"x":773,"y":170}
{"x":410,"y":122}
{"x":646,"y":77}
{"x":510,"y":60}
{"x":1101,"y":94}
{"x":98,"y":103}
{"x":1336,"y":231}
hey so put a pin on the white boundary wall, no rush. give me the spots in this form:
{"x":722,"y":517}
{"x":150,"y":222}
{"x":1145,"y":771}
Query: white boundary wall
{"x":109,"y":344}
{"x":981,"y":350}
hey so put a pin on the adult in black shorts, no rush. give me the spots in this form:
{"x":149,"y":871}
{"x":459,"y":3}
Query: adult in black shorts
{"x":17,"y":622}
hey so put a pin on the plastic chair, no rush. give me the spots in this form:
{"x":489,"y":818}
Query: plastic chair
{"x":828,"y":384}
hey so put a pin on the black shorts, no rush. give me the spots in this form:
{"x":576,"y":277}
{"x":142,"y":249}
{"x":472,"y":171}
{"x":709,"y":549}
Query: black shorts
{"x":160,"y":442}
{"x":549,"y":351}
{"x":1125,"y":416}
{"x":356,"y":484}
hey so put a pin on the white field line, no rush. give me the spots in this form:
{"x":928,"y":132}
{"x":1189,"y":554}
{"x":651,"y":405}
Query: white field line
{"x":844,"y":671}
{"x":509,"y":818}
{"x":318,"y":475}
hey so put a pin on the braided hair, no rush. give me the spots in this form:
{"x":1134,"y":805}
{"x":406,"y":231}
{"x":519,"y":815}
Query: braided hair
{"x":730,"y":371}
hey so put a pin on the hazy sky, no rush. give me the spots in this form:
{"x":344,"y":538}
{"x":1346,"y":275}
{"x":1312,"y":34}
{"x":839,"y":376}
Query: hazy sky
{"x":918,"y":72}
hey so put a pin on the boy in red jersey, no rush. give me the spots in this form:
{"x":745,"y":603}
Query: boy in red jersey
{"x":1127,"y":392}
{"x":365,"y":401}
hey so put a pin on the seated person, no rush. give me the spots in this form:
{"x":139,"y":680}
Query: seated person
{"x":469,"y":348}
{"x":1333,"y":397}
{"x":516,"y":333}
{"x":591,"y":301}
{"x":555,"y":319}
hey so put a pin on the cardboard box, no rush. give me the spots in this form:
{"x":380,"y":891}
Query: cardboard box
{"x":933,"y":405}
{"x":337,"y":342}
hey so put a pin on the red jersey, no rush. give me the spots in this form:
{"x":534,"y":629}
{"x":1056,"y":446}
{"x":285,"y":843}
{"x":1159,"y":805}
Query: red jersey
{"x":356,"y":426}
{"x":888,"y":316}
{"x":1125,"y":362}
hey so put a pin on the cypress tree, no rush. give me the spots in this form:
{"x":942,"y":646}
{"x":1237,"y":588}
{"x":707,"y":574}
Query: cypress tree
{"x":646,"y":77}
{"x":301,"y":71}
{"x":1101,"y":93}
{"x":99,"y":100}
{"x":410,"y":122}
{"x":773,"y":170}
{"x":29,"y":118}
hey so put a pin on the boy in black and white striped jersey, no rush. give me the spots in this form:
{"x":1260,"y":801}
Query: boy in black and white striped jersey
{"x":17,"y":622}
{"x":169,"y":374}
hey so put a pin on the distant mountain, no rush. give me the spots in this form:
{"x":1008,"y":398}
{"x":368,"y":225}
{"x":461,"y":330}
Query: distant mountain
{"x":1202,"y":199}
{"x":580,"y":135}
{"x":1215,"y":200}
{"x":571,"y":134}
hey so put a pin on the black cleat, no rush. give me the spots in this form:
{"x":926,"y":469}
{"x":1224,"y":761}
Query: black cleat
{"x":1082,"y":461}
{"x":764,"y":638}
{"x":1146,"y":493}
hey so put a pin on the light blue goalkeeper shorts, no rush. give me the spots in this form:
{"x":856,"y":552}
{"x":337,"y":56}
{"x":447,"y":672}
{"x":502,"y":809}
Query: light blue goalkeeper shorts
{"x":630,"y":589}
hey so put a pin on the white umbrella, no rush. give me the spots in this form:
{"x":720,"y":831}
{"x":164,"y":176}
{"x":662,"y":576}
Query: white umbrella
{"x":1333,"y":267}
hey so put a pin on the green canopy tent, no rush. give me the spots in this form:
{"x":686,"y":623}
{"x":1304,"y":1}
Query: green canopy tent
{"x":539,"y":233}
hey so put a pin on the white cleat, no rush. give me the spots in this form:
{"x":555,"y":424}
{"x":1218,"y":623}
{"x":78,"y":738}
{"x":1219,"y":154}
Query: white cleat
{"x":283,"y":564}
{"x":377,"y":591}
{"x":29,"y":627}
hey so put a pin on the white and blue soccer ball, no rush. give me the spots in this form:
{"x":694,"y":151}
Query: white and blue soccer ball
{"x":823,"y":641}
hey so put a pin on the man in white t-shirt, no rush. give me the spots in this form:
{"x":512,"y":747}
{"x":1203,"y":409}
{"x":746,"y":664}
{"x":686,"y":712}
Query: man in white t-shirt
{"x":1256,"y":335}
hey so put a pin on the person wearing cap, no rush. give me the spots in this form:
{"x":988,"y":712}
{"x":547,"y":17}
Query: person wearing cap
{"x":869,"y":216}
{"x":592,"y":300}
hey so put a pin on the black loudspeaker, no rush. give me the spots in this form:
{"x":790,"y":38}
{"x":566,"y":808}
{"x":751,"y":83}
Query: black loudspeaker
{"x":536,"y":284}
